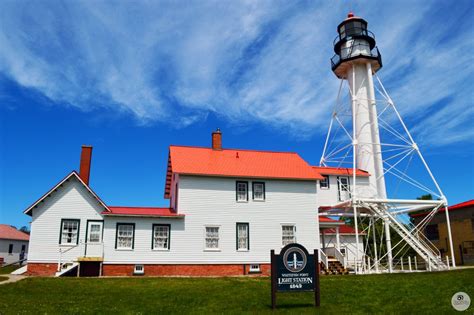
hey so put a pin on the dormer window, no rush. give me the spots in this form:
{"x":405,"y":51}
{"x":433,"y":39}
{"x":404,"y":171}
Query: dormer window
{"x":242,"y":191}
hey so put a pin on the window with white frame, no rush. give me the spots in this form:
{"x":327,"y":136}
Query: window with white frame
{"x":242,"y":236}
{"x":212,"y":237}
{"x":288,"y":234}
{"x":242,"y":193}
{"x":139,"y":270}
{"x":125,"y":235}
{"x":344,"y":188}
{"x":258,"y":191}
{"x":161,"y":236}
{"x":95,"y":233}
{"x":254,"y":268}
{"x":69,"y":232}
{"x":324,"y":183}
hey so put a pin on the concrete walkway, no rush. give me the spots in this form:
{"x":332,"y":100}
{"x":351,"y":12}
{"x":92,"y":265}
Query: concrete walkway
{"x":12,"y":278}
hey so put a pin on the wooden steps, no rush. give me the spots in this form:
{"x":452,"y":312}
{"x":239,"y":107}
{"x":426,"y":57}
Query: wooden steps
{"x":335,"y":268}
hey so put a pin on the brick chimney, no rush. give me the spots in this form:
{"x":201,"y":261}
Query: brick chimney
{"x":85,"y":166}
{"x":217,"y":140}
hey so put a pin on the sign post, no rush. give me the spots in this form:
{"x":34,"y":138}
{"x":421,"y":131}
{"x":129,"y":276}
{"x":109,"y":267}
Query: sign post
{"x":295,"y":270}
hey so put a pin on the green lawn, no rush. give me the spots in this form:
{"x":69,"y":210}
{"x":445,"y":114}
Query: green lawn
{"x":397,"y":293}
{"x":8,"y":269}
{"x":2,"y":278}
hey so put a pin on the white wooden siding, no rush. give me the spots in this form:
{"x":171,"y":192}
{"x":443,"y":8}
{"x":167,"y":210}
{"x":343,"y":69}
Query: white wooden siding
{"x":205,"y":201}
{"x":70,"y":201}
{"x":212,"y":201}
{"x":329,"y":197}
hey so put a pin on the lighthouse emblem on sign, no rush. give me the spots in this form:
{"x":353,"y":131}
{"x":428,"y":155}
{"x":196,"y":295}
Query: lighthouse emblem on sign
{"x":294,"y":259}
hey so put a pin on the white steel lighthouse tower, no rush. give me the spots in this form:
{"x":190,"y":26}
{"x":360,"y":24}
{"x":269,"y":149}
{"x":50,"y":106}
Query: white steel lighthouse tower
{"x":355,"y":62}
{"x":367,"y":133}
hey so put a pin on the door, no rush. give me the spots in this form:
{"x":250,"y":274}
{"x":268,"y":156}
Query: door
{"x":94,"y":244}
{"x":344,"y":189}
{"x":89,"y":269}
{"x":22,"y":252}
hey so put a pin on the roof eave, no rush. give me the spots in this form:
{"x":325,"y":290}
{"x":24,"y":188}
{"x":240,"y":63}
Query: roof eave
{"x":246,"y":176}
{"x":179,"y":216}
{"x":65,"y":179}
{"x":14,"y":239}
{"x":330,"y":224}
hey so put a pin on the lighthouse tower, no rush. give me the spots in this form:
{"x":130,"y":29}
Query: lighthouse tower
{"x":357,"y":59}
{"x":354,"y":139}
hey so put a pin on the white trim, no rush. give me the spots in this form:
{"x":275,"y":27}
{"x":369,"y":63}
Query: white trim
{"x":179,"y":216}
{"x":138,"y":272}
{"x":60,"y":184}
{"x":172,"y":262}
{"x":206,"y":249}
{"x":153,"y":237}
{"x":255,"y":177}
{"x":179,"y":263}
{"x":294,"y":232}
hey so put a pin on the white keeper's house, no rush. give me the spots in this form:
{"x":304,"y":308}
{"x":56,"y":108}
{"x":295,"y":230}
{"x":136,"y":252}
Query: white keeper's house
{"x":228,"y":208}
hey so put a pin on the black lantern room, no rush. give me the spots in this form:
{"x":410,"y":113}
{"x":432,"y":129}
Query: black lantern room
{"x":354,"y":43}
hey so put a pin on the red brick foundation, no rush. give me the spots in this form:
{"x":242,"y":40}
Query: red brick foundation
{"x":186,"y":270}
{"x":49,"y":269}
{"x":38,"y":269}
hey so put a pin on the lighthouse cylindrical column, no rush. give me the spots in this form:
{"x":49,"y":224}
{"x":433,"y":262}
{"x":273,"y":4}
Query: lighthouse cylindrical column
{"x":366,"y":133}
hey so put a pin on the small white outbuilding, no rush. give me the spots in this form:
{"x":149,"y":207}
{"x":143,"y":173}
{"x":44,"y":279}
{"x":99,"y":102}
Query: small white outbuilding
{"x":13,"y":244}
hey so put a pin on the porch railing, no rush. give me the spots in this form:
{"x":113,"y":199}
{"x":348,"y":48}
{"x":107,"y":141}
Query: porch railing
{"x":333,"y":251}
{"x":323,"y":258}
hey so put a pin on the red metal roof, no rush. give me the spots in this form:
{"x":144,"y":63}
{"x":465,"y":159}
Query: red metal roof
{"x":462,"y":205}
{"x":10,"y":233}
{"x":343,"y":228}
{"x":237,"y":163}
{"x":142,"y":211}
{"x":325,"y":170}
{"x":326,"y":219}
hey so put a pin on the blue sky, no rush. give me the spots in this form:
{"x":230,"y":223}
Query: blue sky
{"x":131,"y":78}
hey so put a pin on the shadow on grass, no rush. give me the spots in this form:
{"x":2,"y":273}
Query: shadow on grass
{"x":291,"y":306}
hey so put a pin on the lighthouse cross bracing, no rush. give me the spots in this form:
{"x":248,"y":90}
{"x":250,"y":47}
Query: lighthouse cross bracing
{"x":367,"y":132}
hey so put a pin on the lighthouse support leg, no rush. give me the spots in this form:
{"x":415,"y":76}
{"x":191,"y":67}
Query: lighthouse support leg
{"x":389,"y":245}
{"x":376,"y":259}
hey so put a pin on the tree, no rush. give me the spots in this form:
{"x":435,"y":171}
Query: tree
{"x":422,"y":197}
{"x":425,"y":197}
{"x":24,"y":229}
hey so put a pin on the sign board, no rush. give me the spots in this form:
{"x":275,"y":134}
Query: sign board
{"x":294,"y":270}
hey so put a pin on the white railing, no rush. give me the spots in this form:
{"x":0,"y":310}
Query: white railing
{"x":333,"y":251}
{"x":418,"y":244}
{"x":85,"y":250}
{"x":62,"y":251}
{"x":323,"y":258}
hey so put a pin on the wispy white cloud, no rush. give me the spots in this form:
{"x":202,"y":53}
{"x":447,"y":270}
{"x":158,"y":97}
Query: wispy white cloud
{"x":246,"y":61}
